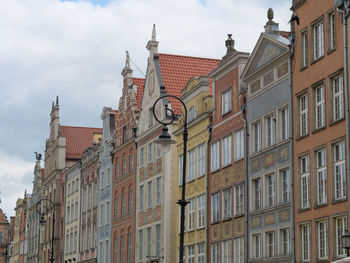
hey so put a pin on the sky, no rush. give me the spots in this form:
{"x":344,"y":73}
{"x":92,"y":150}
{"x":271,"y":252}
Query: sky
{"x":76,"y":49}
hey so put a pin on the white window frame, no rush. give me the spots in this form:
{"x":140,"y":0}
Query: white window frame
{"x":285,"y":184}
{"x":270,"y":130}
{"x":321,"y":176}
{"x":257,"y":193}
{"x":215,"y":207}
{"x":226,"y":101}
{"x":227,"y":203}
{"x":239,"y":144}
{"x":239,"y":199}
{"x":339,"y":170}
{"x":270,"y":243}
{"x":200,"y":253}
{"x":318,"y":40}
{"x":340,"y":224}
{"x":215,"y":252}
{"x":201,"y":160}
{"x":150,"y":152}
{"x":304,"y":49}
{"x":284,"y":123}
{"x":238,"y":248}
{"x":150,"y":194}
{"x":306,"y":242}
{"x":285,"y":241}
{"x":191,"y":207}
{"x":181,"y":163}
{"x":256,"y":138}
{"x":304,"y":115}
{"x":305,"y":181}
{"x":190,"y":254}
{"x":320,"y":113}
{"x":256,"y":239}
{"x":322,"y":237}
{"x":226,"y":251}
{"x":215,"y":156}
{"x":191,"y":164}
{"x":201,"y":211}
{"x":226,"y":150}
{"x":270,"y":189}
{"x":338,"y":98}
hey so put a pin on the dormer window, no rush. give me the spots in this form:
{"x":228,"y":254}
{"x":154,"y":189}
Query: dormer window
{"x":192,"y":114}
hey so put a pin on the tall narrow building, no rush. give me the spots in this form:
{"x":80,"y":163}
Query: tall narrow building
{"x":226,"y":166}
{"x":320,"y":177}
{"x":270,"y":210}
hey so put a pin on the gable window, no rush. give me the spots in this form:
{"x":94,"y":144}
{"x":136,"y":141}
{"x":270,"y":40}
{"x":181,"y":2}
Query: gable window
{"x":305,"y":181}
{"x":226,"y":101}
{"x":339,"y":170}
{"x":303,"y":49}
{"x":318,"y":39}
{"x":191,"y":164}
{"x":303,"y":115}
{"x":319,"y":106}
{"x":321,"y":177}
{"x":239,"y":144}
{"x":226,"y":151}
{"x":215,"y":156}
{"x":192,"y":114}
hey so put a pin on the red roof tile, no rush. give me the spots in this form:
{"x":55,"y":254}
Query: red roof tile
{"x":78,"y":139}
{"x":140,"y":83}
{"x":177,"y":70}
{"x":285,"y":34}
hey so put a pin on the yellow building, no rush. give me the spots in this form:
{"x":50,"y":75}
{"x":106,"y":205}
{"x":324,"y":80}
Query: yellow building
{"x":197,"y":97}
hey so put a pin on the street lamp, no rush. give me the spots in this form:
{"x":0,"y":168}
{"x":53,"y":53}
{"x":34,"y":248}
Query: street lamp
{"x":165,"y":139}
{"x":345,"y":242}
{"x":43,"y":209}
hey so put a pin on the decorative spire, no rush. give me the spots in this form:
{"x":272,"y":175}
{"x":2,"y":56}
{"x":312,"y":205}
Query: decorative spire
{"x":152,"y":44}
{"x":127,"y":60}
{"x":230,"y":46}
{"x":56,"y":100}
{"x":154,"y":33}
{"x":271,"y":26}
{"x":53,"y":105}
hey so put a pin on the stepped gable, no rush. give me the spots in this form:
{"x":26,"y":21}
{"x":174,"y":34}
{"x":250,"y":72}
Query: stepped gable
{"x":140,"y":83}
{"x":176,"y":71}
{"x":78,"y":139}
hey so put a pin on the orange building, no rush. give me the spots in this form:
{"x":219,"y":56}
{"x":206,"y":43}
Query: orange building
{"x":320,"y":189}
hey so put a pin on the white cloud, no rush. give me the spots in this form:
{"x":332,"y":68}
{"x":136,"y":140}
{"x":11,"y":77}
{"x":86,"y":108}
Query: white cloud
{"x":77,"y":50}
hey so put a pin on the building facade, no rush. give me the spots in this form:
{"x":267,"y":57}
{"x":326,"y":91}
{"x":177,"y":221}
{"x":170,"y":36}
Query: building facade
{"x":226,"y":175}
{"x":125,"y":165}
{"x":4,"y":237}
{"x":199,"y":102}
{"x":72,"y":214}
{"x":270,"y":174}
{"x":320,"y":182}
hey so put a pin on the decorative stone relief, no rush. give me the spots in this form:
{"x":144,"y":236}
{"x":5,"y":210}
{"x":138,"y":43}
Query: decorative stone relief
{"x":256,"y":221}
{"x":215,"y":232}
{"x":255,"y":165}
{"x":238,"y":226}
{"x":284,"y":215}
{"x":269,"y":219}
{"x":269,"y":159}
{"x":283,"y":154}
{"x":226,"y":229}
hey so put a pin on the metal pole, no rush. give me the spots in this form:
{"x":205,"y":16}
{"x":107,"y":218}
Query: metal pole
{"x":53,"y":233}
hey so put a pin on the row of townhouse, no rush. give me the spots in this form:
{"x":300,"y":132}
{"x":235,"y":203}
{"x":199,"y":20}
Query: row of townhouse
{"x":267,"y":156}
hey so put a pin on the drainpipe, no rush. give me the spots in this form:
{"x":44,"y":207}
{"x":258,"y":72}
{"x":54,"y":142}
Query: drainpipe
{"x":343,"y":8}
{"x":290,"y":63}
{"x":246,"y":136}
{"x":210,"y":128}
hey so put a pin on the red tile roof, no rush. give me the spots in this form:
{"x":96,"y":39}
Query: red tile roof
{"x":285,"y":34}
{"x":78,"y":139}
{"x":177,"y":70}
{"x":140,"y":83}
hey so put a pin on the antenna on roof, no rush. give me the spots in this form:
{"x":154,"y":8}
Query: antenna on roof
{"x":137,"y":68}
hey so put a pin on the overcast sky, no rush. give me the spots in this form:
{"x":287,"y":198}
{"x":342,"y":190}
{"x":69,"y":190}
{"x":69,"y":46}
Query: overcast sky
{"x":76,"y":50}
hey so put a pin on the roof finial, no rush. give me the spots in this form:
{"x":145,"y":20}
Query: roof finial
{"x":53,"y":105}
{"x":56,"y":100}
{"x":154,"y":32}
{"x":230,"y":46}
{"x":127,"y":60}
{"x":270,"y":14}
{"x":271,"y":26}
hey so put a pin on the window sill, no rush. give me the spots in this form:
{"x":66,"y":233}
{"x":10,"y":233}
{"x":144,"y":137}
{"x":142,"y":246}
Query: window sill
{"x":303,"y":68}
{"x":329,"y":51}
{"x":331,"y":123}
{"x":299,"y":137}
{"x":336,"y":201}
{"x":239,"y":215}
{"x":226,"y":165}
{"x":313,"y":61}
{"x":226,"y":219}
{"x":226,"y":113}
{"x":315,"y":130}
{"x":215,"y":222}
{"x":320,"y":205}
{"x":300,"y":210}
{"x":214,"y":171}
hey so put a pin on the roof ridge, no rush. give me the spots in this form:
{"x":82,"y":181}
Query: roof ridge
{"x":139,"y":78}
{"x":68,"y":126}
{"x":175,"y":55}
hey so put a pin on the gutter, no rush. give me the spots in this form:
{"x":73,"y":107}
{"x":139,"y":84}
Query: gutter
{"x":207,"y":190}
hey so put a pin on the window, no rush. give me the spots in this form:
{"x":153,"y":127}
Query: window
{"x":303,"y":49}
{"x":227,"y":251}
{"x":123,"y":204}
{"x":269,"y":130}
{"x":257,"y":245}
{"x":239,"y":144}
{"x":201,"y":211}
{"x":158,"y":240}
{"x":200,"y":253}
{"x":149,"y":242}
{"x":192,"y":114}
{"x":256,"y":132}
{"x":322,"y":233}
{"x":181,"y":165}
{"x":284,"y":124}
{"x":141,"y":199}
{"x":129,"y":247}
{"x":304,"y":123}
{"x":130,"y":201}
{"x":215,"y":252}
{"x":285,"y":241}
{"x":201,"y":160}
{"x":338,"y":104}
{"x":142,"y":156}
{"x":102,"y":215}
{"x":191,"y":164}
{"x":215,"y":156}
{"x":321,"y":176}
{"x":117,"y":170}
{"x":270,"y":243}
{"x":122,"y":248}
{"x":150,"y":152}
{"x":158,"y":150}
{"x":226,"y":101}
{"x":190,"y":254}
{"x":131,"y":162}
{"x":116,"y":207}
{"x":239,"y":199}
{"x":271,"y":189}
{"x":150,"y":117}
{"x":140,"y":244}
{"x":159,"y":190}
{"x":226,"y":203}
{"x":215,"y":209}
{"x":339,"y":170}
{"x":150,"y":194}
{"x":123,"y":167}
{"x":331,"y":31}
{"x":226,"y":151}
{"x":238,"y":249}
{"x":102,"y":180}
{"x":108,"y":217}
{"x":107,"y":249}
{"x":285,"y":190}
{"x":257,"y":193}
{"x":115,"y":250}
{"x":319,"y":107}
{"x":305,"y":182}
{"x":340,"y":226}
{"x":318,"y":40}
{"x":101,"y":252}
{"x":191,"y":213}
{"x":124,"y":134}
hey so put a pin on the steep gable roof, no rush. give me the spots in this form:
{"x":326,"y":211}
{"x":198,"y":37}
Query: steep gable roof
{"x":78,"y":139}
{"x":140,"y":83}
{"x":176,"y":71}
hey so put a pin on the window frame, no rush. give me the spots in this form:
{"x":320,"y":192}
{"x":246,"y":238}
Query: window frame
{"x":239,"y":144}
{"x":226,"y":101}
{"x":317,"y":44}
{"x":226,"y":149}
{"x":303,"y":47}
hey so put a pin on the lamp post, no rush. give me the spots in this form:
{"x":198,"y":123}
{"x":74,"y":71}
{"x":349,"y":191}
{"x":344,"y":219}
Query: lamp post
{"x":345,"y":242}
{"x":43,"y":210}
{"x":165,"y":139}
